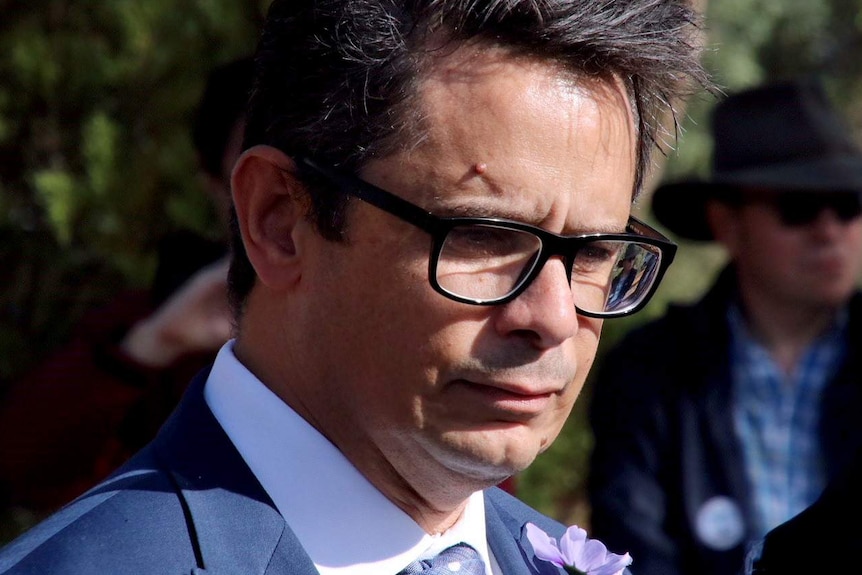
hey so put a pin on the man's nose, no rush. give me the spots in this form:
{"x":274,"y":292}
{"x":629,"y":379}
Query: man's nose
{"x":545,"y":310}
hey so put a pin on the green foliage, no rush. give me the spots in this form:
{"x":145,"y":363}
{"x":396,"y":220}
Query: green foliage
{"x":96,"y":158}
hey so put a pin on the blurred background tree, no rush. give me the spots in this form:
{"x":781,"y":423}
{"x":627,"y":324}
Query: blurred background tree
{"x":96,"y":160}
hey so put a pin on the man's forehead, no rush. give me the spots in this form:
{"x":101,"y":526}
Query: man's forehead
{"x":490,"y":79}
{"x":477,"y":61}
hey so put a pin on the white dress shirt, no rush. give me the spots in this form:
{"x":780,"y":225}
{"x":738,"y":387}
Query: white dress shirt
{"x":344,"y":523}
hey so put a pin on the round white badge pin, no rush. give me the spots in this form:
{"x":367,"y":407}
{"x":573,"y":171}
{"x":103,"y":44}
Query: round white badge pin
{"x":719,"y":523}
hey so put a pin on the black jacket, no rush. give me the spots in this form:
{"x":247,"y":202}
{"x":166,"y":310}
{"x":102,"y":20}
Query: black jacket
{"x":824,"y":537}
{"x":666,"y":455}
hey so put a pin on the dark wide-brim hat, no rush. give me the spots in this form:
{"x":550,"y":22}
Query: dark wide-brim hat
{"x":779,"y":137}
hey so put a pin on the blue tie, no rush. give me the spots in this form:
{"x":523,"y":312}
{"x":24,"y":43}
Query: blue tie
{"x":460,"y":559}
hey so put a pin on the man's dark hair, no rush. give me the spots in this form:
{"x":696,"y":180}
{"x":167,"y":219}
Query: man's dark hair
{"x":337,"y":79}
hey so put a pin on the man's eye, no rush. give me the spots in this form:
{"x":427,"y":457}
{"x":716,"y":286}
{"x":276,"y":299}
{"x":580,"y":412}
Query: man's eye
{"x":597,"y":252}
{"x":489,"y":240}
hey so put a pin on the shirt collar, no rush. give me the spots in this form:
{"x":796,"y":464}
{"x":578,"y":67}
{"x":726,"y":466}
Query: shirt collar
{"x":739,"y":329}
{"x":303,"y":473}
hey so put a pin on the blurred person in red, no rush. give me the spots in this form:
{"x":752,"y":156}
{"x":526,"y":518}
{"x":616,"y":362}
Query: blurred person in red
{"x":80,"y":414}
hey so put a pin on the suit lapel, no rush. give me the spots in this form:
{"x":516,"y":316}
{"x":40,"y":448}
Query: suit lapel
{"x":505,"y":518}
{"x":509,"y":543}
{"x":232,"y":520}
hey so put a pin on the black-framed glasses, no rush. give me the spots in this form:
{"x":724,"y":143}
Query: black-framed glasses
{"x":490,"y":261}
{"x":801,"y":208}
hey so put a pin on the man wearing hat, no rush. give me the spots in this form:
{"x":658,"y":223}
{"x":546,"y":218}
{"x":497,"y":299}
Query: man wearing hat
{"x":722,"y":419}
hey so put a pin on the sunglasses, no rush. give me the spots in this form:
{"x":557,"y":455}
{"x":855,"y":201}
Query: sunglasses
{"x":797,"y":209}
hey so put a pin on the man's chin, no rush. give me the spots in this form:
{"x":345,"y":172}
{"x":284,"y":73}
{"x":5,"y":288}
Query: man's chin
{"x":491,"y":462}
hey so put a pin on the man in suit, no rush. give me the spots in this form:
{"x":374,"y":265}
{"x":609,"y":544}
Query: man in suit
{"x":432,"y":202}
{"x":726,"y":417}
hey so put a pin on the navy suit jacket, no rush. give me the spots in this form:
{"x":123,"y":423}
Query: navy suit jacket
{"x":189,"y":504}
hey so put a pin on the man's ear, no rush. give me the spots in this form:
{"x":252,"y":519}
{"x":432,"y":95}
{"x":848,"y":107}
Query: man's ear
{"x":269,"y":209}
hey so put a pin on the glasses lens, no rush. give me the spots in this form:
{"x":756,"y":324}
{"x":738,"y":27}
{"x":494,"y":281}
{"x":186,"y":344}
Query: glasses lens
{"x":847,"y":207}
{"x":614,"y":276}
{"x":797,"y":210}
{"x":802,"y":209}
{"x":485,"y":262}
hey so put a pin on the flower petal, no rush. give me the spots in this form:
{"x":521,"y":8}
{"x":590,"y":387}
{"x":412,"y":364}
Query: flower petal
{"x":593,"y":555}
{"x":544,"y":545}
{"x":614,"y":565}
{"x":576,"y":553}
{"x":572,"y":544}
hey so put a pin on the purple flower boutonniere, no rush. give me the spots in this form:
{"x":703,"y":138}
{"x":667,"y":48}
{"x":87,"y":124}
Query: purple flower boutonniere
{"x":576,"y":553}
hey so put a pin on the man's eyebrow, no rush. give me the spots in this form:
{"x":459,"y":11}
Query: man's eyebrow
{"x":480,"y":211}
{"x":476,"y":211}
